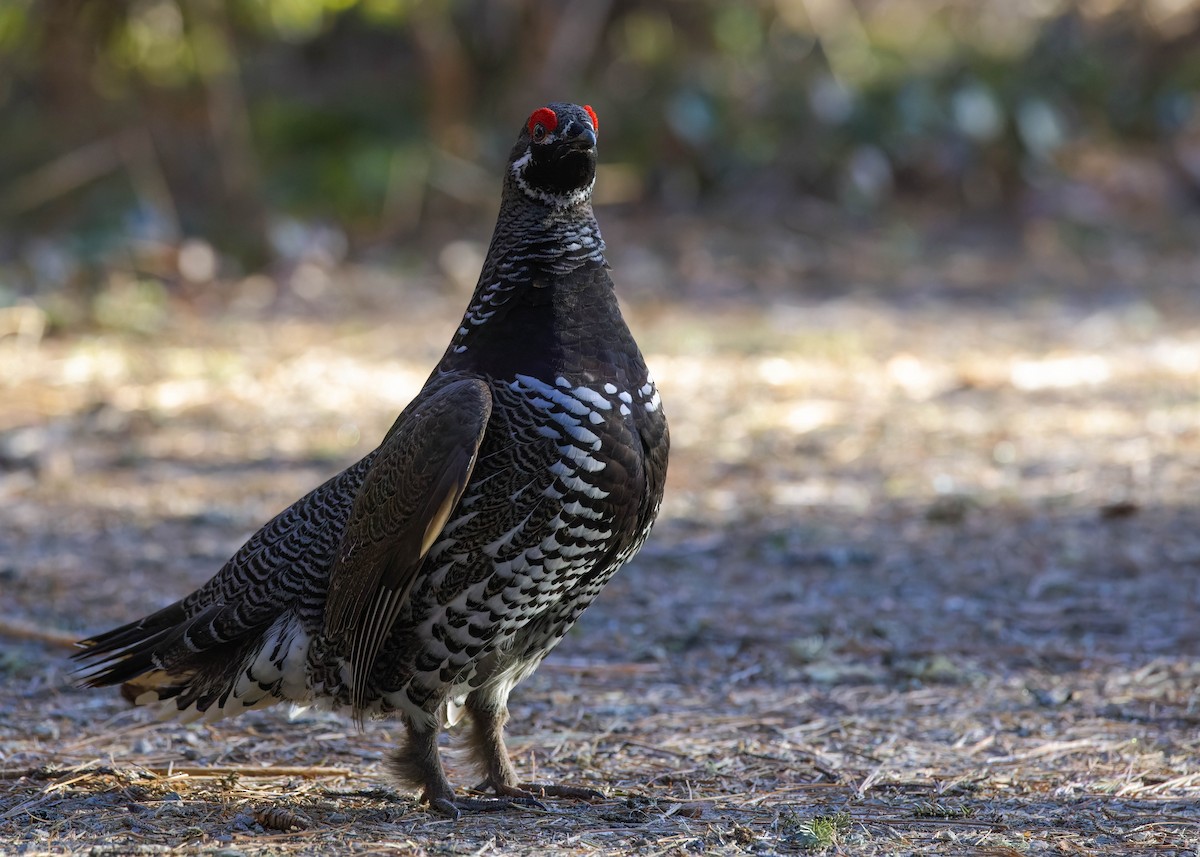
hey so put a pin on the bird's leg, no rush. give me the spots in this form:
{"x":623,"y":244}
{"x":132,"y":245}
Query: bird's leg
{"x":417,"y":763}
{"x":488,"y":717}
{"x":487,"y":745}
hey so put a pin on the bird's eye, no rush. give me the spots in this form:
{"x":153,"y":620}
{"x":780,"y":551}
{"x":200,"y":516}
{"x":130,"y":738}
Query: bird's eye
{"x":541,"y":123}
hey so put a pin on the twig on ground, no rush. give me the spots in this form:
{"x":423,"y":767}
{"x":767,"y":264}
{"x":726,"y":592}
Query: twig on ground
{"x":19,"y":629}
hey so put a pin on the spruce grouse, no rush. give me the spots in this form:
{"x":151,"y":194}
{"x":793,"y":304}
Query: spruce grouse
{"x":427,"y":580}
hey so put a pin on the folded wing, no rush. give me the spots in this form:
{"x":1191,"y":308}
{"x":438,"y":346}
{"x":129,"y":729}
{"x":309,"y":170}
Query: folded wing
{"x":407,"y":498}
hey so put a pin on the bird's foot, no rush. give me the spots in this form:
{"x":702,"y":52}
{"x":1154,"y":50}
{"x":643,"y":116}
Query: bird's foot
{"x":443,"y":800}
{"x":533,"y":791}
{"x":454,"y":806}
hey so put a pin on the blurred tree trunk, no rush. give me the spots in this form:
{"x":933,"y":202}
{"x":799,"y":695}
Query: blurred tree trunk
{"x":245,"y":218}
{"x":71,"y":31}
{"x":449,"y":95}
{"x":577,"y":35}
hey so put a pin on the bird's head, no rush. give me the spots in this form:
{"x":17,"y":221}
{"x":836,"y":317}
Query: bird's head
{"x":554,"y":160}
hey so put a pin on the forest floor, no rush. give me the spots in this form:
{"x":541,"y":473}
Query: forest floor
{"x":926,"y":580}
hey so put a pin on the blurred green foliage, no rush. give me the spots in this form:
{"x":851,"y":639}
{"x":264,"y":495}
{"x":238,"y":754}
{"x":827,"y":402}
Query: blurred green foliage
{"x":138,"y":123}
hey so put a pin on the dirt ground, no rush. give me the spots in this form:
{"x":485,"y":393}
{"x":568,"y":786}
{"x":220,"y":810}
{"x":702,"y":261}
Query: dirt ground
{"x":926,"y":578}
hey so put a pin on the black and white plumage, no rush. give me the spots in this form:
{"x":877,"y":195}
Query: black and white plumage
{"x":432,"y":576}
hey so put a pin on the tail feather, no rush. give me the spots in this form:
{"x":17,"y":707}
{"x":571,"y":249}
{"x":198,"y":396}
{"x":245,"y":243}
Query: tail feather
{"x":161,"y":642}
{"x":110,"y":651}
{"x":192,"y":669}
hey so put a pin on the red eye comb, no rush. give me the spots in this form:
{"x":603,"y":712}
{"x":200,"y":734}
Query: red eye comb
{"x":545,"y":117}
{"x":595,"y":121}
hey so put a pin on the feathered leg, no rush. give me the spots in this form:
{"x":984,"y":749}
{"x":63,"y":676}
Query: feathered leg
{"x":417,"y":763}
{"x":488,"y":717}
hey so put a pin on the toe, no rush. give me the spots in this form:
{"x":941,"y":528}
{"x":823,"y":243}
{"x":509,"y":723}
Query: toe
{"x":551,"y":790}
{"x":520,"y":795}
{"x":498,"y":804}
{"x":446,"y":807}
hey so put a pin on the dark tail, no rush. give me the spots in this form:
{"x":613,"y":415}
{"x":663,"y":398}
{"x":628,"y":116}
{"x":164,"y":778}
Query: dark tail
{"x":193,"y":660}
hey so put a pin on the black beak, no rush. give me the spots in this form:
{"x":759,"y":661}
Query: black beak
{"x":582,"y":138}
